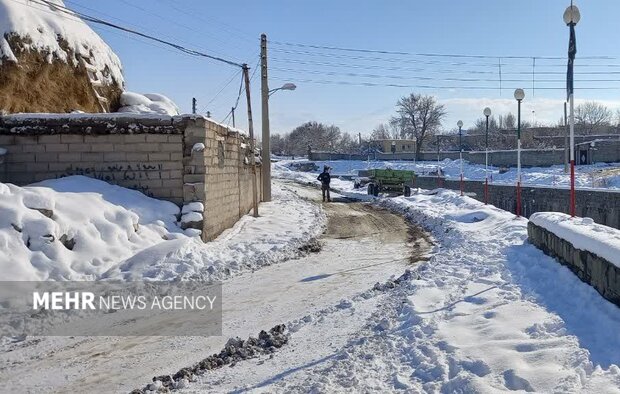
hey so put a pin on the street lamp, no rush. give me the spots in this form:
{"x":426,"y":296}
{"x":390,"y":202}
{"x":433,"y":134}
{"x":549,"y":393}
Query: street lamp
{"x":519,"y":96}
{"x":286,"y":86}
{"x":571,"y":18}
{"x":266,"y":148}
{"x":460,"y":125}
{"x":487,"y":113}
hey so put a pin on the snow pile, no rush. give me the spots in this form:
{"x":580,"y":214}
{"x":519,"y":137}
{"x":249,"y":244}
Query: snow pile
{"x":284,"y":227}
{"x":583,"y":233}
{"x":58,"y":33}
{"x":76,"y":228}
{"x":149,"y":103}
{"x":79,"y":228}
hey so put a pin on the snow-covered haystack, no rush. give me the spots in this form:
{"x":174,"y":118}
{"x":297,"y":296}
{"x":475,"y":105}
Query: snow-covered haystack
{"x":51,"y":61}
{"x":149,"y":103}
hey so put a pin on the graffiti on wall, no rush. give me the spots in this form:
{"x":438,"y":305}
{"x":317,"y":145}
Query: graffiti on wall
{"x":120,"y":172}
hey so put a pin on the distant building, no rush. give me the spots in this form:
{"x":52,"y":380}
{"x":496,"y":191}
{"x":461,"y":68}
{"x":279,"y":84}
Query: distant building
{"x":400,"y":146}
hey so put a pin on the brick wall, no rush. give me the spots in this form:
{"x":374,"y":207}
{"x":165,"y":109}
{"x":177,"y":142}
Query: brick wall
{"x":154,"y":155}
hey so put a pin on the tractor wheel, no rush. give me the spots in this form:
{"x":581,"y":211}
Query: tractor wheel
{"x":376,"y":190}
{"x":371,"y":189}
{"x":406,"y":191}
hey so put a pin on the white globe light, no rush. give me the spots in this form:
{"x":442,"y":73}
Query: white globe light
{"x":487,"y":111}
{"x":572,"y":15}
{"x":519,"y":94}
{"x":459,"y":123}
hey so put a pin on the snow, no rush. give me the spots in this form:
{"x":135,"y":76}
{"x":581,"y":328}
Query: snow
{"x":285,"y":224}
{"x":601,"y":175}
{"x":147,"y":104}
{"x":193,"y":207}
{"x":191,"y":217}
{"x":582,"y":233}
{"x":107,"y":224}
{"x":488,"y":312}
{"x":121,"y":233}
{"x":43,"y":25}
{"x":198,"y":147}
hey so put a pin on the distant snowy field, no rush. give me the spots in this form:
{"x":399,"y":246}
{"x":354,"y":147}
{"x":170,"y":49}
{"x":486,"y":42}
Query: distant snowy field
{"x":597,"y":175}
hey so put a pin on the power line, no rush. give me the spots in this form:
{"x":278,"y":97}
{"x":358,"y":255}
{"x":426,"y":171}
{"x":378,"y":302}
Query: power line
{"x":206,"y":106}
{"x":241,"y":91}
{"x":175,"y":22}
{"x":449,"y":79}
{"x":131,"y":31}
{"x":436,"y":87}
{"x":403,"y":53}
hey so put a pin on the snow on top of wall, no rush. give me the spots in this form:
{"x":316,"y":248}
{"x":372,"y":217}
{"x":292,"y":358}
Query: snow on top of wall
{"x":583,"y":233}
{"x":149,"y":103}
{"x":42,"y":25}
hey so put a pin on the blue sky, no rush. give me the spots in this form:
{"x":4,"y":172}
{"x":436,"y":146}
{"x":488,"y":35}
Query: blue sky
{"x":495,"y":28}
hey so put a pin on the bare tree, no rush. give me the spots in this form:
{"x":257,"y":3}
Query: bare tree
{"x":591,"y":116}
{"x":381,"y":132}
{"x":418,"y":117}
{"x":617,"y":118}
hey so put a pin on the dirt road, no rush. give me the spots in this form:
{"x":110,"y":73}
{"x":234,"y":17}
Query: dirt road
{"x":362,"y":245}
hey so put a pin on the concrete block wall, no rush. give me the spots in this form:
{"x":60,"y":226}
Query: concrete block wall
{"x":600,"y":205}
{"x":154,"y":155}
{"x":220,"y":176}
{"x":130,"y":152}
{"x":589,"y":267}
{"x":508,"y":158}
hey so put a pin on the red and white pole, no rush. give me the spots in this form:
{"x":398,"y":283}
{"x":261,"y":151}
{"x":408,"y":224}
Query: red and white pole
{"x":461,"y":158}
{"x":572,"y":155}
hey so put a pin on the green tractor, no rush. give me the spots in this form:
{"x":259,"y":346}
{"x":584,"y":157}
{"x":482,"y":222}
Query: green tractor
{"x":400,"y":181}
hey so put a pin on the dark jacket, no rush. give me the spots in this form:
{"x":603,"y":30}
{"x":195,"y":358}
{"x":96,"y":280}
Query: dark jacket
{"x":325,"y":178}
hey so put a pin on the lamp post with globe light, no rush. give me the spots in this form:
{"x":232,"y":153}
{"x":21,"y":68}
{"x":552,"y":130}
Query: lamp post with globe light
{"x":519,"y":96}
{"x":571,"y":18}
{"x":487,"y":113}
{"x":460,"y":125}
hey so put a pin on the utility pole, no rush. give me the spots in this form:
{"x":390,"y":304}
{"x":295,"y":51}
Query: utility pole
{"x":232,"y":111}
{"x":246,"y":78}
{"x":565,"y":140}
{"x":266,"y":151}
{"x":194,"y":105}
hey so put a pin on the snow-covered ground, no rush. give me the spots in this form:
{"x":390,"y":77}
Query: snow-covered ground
{"x":488,"y":313}
{"x":79,"y":228}
{"x":587,"y":176}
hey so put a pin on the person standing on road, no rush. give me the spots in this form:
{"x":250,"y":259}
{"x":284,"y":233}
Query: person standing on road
{"x":325,"y":178}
